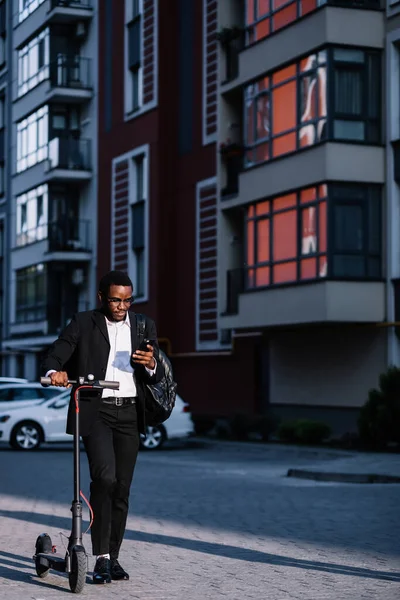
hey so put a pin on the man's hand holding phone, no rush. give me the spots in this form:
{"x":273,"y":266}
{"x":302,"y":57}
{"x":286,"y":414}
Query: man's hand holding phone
{"x":144,"y":355}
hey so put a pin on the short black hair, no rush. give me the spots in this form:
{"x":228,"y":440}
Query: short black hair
{"x":113,"y":278}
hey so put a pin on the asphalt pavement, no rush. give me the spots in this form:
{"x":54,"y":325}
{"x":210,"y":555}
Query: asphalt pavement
{"x":211,"y":520}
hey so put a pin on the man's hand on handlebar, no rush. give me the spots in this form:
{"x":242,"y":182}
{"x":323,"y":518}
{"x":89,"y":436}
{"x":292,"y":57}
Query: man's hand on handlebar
{"x":60,"y":379}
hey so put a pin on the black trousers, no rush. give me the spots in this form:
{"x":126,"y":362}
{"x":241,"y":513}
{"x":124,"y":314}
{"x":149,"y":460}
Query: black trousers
{"x":111,"y":447}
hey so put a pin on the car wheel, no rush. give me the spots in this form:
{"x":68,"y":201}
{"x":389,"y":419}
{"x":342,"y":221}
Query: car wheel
{"x":26,"y":435}
{"x":155,"y":438}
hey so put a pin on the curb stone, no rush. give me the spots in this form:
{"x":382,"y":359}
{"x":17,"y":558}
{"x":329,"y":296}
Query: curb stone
{"x":342,"y":477}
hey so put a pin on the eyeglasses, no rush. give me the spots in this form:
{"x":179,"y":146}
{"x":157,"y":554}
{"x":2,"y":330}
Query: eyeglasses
{"x":116,"y":301}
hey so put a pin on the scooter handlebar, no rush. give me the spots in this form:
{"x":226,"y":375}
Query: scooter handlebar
{"x":112,"y":385}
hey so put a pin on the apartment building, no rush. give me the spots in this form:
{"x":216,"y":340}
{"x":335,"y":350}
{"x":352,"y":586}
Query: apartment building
{"x":50,"y":185}
{"x":243,"y":183}
{"x":3,"y":165}
{"x":302,"y":238}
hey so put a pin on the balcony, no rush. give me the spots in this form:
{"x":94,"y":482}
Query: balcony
{"x":305,"y":304}
{"x":330,"y":24}
{"x":67,"y":11}
{"x":59,"y":315}
{"x":69,"y":159}
{"x":69,"y":235}
{"x":36,"y":14}
{"x":70,"y":79}
{"x":65,"y":239}
{"x":44,"y":318}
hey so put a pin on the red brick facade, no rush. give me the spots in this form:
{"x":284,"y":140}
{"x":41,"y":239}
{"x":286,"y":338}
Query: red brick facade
{"x":182,"y":199}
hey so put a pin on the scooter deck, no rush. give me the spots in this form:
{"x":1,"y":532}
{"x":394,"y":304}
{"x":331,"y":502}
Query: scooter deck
{"x":52,"y":561}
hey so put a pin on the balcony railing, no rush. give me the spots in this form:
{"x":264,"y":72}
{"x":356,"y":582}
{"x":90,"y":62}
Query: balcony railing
{"x":66,"y":235}
{"x":234,"y":287}
{"x":70,"y":72}
{"x":71,"y":4}
{"x":69,"y":153}
{"x":57,"y":315}
{"x":69,"y":235}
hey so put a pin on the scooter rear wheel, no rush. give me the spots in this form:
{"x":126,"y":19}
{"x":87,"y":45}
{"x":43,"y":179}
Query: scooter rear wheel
{"x":43,"y":545}
{"x":77,"y":576}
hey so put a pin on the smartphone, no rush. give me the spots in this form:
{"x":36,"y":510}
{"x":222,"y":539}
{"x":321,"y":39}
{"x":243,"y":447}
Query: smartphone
{"x":143,"y":345}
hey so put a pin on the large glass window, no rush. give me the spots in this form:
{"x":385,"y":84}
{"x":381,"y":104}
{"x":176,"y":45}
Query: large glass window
{"x":32,"y":209}
{"x":2,"y":143}
{"x":264,"y":17}
{"x":288,"y":109}
{"x":31,"y":294}
{"x":133,"y":71}
{"x":26,"y":7}
{"x":32,"y":139}
{"x":322,"y":231}
{"x":355,"y":226}
{"x":3,"y":33}
{"x":33,"y":62}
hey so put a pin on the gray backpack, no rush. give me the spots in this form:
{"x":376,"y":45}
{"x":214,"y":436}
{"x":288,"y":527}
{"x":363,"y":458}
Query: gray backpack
{"x":159,"y":397}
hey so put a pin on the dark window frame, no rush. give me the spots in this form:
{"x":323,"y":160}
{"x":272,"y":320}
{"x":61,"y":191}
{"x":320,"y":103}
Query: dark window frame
{"x":35,"y":310}
{"x":372,"y":61}
{"x":338,"y":194}
{"x":298,"y":206}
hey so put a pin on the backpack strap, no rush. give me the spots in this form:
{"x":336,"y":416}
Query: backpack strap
{"x":140,"y":327}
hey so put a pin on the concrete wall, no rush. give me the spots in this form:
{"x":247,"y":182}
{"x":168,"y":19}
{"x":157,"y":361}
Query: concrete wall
{"x":334,"y":367}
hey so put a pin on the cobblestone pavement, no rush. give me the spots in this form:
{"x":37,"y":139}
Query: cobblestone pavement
{"x":214,"y":520}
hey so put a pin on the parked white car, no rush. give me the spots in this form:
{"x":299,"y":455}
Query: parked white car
{"x":29,"y":426}
{"x":17,"y":395}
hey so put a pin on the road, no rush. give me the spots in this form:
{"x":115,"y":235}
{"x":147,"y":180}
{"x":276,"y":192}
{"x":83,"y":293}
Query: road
{"x":211,"y":520}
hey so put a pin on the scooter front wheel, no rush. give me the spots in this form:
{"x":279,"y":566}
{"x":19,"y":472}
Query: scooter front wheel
{"x":77,"y":575}
{"x":43,"y":545}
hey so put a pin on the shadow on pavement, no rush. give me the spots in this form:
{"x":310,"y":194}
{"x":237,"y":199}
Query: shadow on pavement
{"x":12,"y":572}
{"x":212,"y":548}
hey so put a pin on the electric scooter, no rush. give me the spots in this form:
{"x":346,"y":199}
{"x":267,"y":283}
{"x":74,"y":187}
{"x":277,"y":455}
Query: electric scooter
{"x":75,"y":561}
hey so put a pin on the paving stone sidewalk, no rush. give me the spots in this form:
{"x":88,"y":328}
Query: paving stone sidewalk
{"x":214,"y":521}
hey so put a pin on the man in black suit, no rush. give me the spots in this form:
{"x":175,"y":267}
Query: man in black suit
{"x":103,"y":342}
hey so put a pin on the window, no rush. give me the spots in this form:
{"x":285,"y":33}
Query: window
{"x":324,"y":231}
{"x":138,"y":226}
{"x":32,"y":139}
{"x":133,"y":43}
{"x":264,"y":17}
{"x":26,"y":7}
{"x":31,"y":294}
{"x":33,"y":63}
{"x":355,"y":229}
{"x":21,"y":393}
{"x":3,"y":33}
{"x":286,"y":238}
{"x":32,"y":209}
{"x":2,"y":143}
{"x":1,"y":268}
{"x":287,"y":110}
{"x":357,"y":92}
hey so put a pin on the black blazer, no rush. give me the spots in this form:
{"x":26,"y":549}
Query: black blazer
{"x":82,"y":349}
